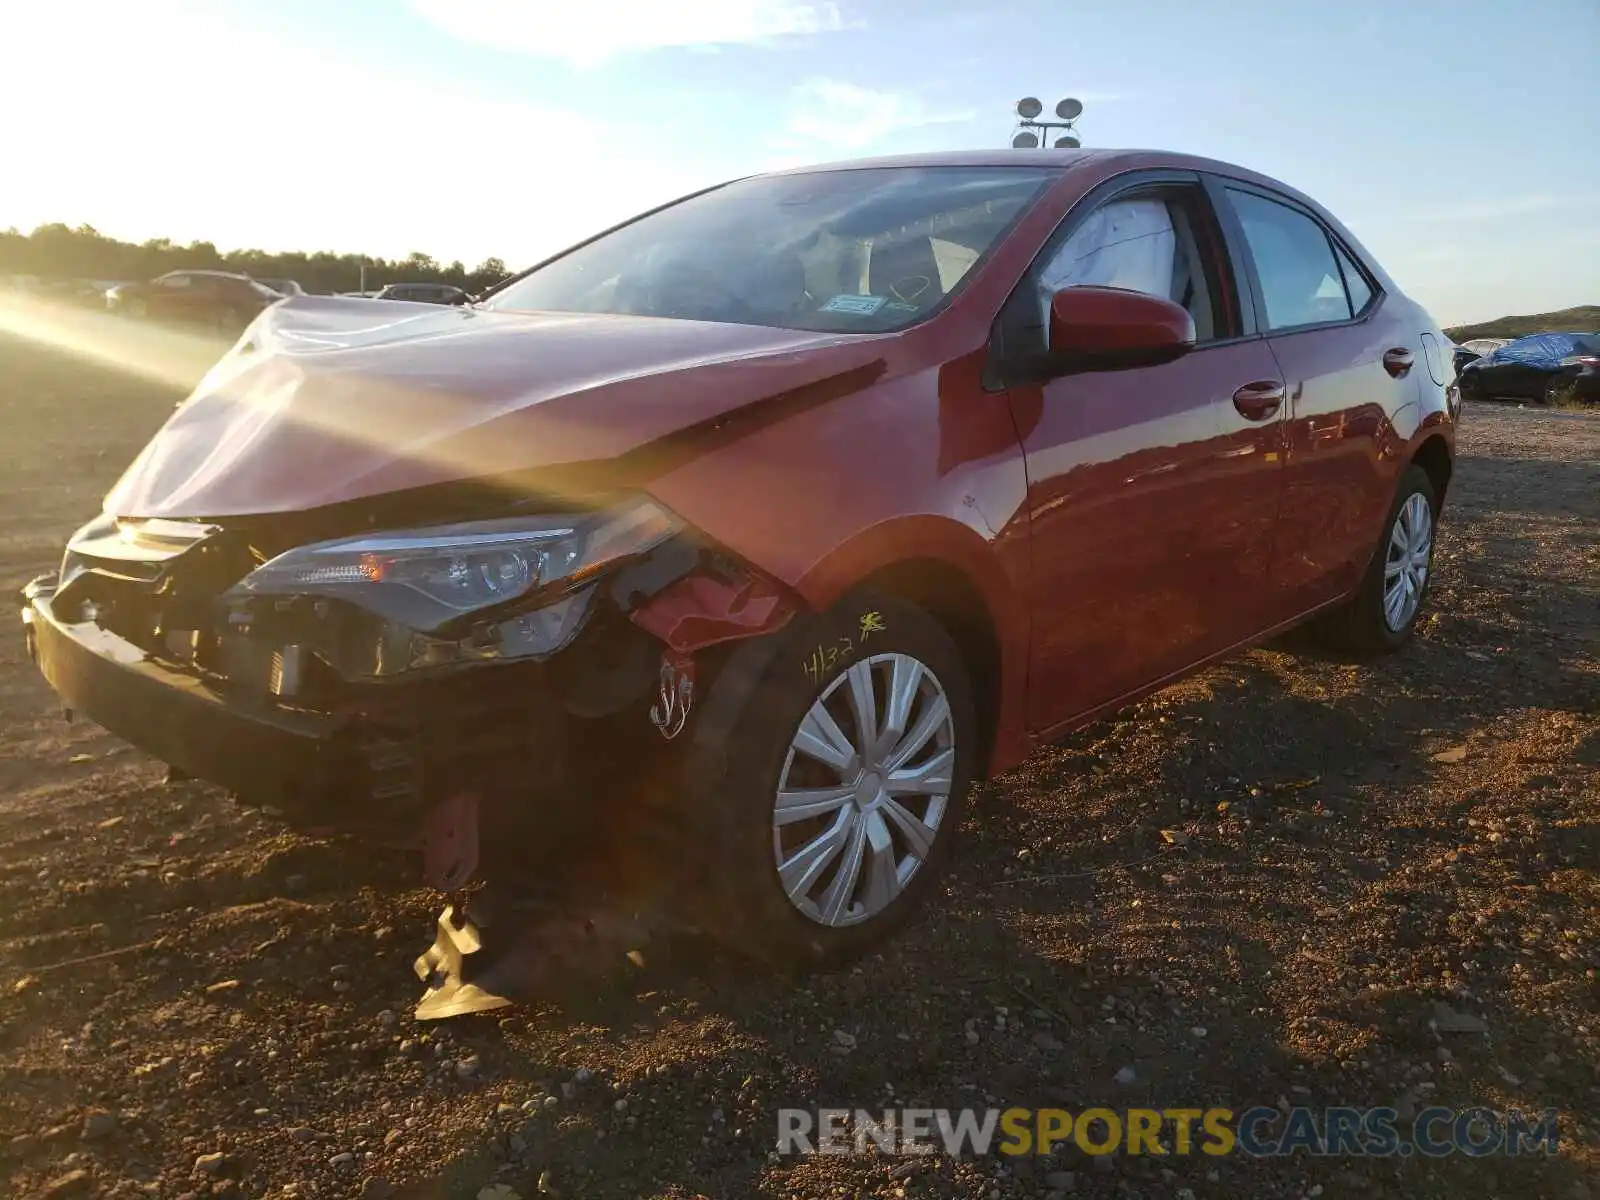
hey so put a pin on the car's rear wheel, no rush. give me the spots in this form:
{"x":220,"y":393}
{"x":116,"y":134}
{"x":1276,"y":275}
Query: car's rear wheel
{"x":1382,"y":614}
{"x":827,"y":781}
{"x":1552,"y":391}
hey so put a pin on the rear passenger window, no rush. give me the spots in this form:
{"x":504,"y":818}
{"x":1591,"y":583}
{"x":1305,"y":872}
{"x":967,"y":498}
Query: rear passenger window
{"x":1301,"y":283}
{"x":1355,"y":282}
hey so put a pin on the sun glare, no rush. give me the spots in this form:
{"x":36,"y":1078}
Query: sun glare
{"x":173,"y":357}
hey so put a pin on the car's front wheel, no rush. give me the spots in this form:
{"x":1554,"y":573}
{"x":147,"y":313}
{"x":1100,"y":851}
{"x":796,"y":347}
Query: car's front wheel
{"x":1383,"y":612}
{"x":827,"y":782}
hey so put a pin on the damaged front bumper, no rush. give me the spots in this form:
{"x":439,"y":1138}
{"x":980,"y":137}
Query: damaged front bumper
{"x":175,"y":717}
{"x":480,"y":762}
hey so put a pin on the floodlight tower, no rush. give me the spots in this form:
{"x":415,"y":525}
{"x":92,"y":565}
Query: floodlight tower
{"x":1030,"y":130}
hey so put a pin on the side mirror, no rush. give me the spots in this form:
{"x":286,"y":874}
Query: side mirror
{"x":1104,"y":327}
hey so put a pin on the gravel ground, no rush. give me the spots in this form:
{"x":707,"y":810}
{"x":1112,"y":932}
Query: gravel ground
{"x":194,"y":1002}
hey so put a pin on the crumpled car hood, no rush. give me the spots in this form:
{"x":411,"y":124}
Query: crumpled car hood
{"x":328,"y":399}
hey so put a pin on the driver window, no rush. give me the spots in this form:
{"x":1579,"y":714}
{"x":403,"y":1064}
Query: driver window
{"x":1125,"y":244}
{"x":1140,"y":243}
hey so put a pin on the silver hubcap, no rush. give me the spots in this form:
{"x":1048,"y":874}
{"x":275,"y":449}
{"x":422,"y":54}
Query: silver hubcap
{"x":864,"y":790}
{"x":1405,"y":568}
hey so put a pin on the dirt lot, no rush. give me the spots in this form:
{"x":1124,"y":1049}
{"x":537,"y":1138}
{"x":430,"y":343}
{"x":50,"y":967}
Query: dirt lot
{"x":1353,"y":845}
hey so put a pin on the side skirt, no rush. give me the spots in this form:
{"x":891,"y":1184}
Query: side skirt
{"x":1058,"y":731}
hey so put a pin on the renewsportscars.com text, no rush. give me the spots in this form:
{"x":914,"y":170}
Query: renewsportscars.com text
{"x":1258,"y":1132}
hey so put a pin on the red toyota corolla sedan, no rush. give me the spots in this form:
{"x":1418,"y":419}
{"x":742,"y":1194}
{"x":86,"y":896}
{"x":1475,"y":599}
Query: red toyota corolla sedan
{"x":797,"y":506}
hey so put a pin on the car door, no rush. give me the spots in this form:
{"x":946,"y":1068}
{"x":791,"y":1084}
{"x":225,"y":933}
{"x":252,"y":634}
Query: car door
{"x":1152,"y":492}
{"x":237,"y":301}
{"x":199,"y":299}
{"x":1350,"y":362}
{"x":168,"y":295}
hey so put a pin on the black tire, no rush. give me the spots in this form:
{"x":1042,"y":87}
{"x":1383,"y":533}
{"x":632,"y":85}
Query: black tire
{"x":1551,"y":393}
{"x":741,"y":734}
{"x":1359,"y":626}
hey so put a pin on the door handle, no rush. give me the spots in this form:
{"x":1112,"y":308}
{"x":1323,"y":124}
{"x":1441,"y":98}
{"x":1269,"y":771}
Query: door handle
{"x":1258,"y":401}
{"x":1398,"y":361}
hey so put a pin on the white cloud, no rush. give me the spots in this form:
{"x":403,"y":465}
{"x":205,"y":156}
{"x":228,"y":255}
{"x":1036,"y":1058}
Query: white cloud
{"x":590,"y":33}
{"x":833,"y":113}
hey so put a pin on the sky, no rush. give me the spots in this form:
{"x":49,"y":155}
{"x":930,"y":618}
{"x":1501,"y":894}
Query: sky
{"x":1456,"y":139}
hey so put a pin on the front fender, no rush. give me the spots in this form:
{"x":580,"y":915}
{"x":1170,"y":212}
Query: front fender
{"x":962,"y":577}
{"x":903,"y":472}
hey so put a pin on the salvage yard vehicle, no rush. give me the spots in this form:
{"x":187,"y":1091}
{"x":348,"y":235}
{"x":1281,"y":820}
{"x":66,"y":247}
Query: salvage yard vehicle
{"x":803,"y":503}
{"x":284,"y":287}
{"x":424,"y":293}
{"x":216,"y":298}
{"x":1540,"y":368}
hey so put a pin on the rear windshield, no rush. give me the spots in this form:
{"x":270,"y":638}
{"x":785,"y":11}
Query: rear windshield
{"x":862,"y":250}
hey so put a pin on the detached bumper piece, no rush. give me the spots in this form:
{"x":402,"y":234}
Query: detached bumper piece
{"x":175,"y":717}
{"x":490,"y":953}
{"x":451,"y":969}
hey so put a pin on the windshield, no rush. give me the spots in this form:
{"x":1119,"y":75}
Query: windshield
{"x":862,"y":250}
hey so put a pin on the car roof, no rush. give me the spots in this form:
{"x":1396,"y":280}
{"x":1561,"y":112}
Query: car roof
{"x":1060,"y":159}
{"x":1108,"y":161}
{"x":208,"y":274}
{"x":953,"y":158}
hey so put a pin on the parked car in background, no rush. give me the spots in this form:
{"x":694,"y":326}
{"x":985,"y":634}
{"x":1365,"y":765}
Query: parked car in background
{"x":1474,"y":349}
{"x":284,"y":287}
{"x":424,"y":293}
{"x":216,"y":298}
{"x":1540,"y":368}
{"x":799,"y":505}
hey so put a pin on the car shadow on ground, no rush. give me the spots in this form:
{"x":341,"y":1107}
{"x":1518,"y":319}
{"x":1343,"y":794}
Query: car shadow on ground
{"x":1258,"y":928}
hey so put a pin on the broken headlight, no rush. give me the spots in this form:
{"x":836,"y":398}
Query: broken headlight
{"x":425,"y":579}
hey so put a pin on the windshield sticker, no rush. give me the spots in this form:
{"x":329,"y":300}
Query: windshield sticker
{"x":858,"y":306}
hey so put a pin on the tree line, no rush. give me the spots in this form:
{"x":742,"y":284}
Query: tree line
{"x":60,"y":252}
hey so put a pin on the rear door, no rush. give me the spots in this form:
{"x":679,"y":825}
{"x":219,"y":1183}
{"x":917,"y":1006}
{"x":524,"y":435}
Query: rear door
{"x":169,"y":295}
{"x":1350,"y":362}
{"x":1151,"y":495}
{"x":202,"y":297}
